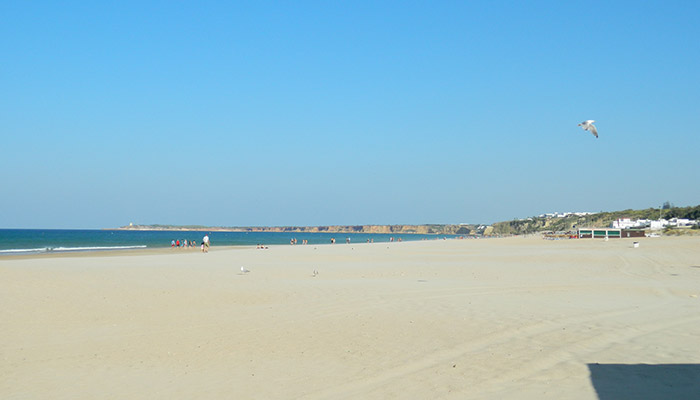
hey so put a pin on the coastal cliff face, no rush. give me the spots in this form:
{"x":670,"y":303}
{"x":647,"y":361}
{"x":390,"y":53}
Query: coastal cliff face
{"x":388,"y":229}
{"x":515,"y":227}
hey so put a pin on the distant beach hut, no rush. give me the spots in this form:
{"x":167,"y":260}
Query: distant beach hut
{"x":599,"y":233}
{"x":608,"y":233}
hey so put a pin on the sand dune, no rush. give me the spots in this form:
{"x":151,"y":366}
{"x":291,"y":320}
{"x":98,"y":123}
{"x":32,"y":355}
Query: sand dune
{"x":499,"y":318}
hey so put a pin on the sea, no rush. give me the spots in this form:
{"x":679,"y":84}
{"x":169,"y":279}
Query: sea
{"x":39,"y":241}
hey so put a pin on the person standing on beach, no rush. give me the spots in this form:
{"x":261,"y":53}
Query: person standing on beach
{"x":205,"y":249}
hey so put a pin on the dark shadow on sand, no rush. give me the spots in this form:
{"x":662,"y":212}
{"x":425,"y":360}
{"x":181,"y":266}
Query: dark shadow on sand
{"x":646,"y":381}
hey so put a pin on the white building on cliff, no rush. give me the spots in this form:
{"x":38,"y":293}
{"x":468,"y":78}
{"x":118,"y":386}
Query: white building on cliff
{"x":654,"y":225}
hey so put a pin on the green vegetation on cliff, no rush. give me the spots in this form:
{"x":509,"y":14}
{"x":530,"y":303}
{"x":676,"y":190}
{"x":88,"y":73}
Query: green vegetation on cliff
{"x":602,"y":219}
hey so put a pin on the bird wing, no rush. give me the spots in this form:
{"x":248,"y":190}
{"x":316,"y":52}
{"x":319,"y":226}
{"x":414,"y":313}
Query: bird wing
{"x":593,"y":130}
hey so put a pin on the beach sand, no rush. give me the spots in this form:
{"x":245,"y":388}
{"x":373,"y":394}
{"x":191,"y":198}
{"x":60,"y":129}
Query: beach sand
{"x":512,"y":318}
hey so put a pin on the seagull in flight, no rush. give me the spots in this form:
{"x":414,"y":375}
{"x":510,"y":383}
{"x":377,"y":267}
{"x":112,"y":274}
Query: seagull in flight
{"x":587,"y":125}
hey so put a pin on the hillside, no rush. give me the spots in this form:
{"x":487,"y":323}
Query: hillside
{"x":602,"y":219}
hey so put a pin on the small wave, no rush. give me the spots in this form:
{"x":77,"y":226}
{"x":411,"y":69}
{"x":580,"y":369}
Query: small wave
{"x":19,"y":251}
{"x":68,"y":249}
{"x":96,"y":248}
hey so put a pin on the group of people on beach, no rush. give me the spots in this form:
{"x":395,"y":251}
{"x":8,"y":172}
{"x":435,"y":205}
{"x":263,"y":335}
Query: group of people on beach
{"x":347,"y":240}
{"x":204,"y":245}
{"x":182,"y":243}
{"x":177,"y":243}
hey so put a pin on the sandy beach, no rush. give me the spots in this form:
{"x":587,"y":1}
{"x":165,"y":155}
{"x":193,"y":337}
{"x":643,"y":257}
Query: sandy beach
{"x":513,"y":318}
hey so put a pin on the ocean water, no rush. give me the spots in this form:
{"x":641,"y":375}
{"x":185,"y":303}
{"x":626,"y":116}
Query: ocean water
{"x":34,"y":241}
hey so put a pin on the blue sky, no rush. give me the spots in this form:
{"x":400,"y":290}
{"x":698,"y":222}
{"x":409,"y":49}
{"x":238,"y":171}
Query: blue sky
{"x":319,"y":113}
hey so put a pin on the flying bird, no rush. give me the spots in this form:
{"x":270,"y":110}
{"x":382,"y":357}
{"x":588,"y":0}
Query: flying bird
{"x":588,"y":126}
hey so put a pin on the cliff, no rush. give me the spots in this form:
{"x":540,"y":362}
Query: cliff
{"x":436,"y":229}
{"x":515,"y":227}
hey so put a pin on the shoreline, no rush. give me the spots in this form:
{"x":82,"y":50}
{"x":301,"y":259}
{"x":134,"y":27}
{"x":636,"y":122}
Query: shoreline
{"x":52,"y":242}
{"x":195,"y":249}
{"x":116,"y":253}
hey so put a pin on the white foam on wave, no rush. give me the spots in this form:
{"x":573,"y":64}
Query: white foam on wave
{"x":96,"y":248}
{"x":69,"y":249}
{"x":14,"y":251}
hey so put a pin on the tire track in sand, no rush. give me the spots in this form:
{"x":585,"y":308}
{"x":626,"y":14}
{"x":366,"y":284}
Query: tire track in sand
{"x":527,"y":334}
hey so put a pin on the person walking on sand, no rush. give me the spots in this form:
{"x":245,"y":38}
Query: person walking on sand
{"x":205,"y":241}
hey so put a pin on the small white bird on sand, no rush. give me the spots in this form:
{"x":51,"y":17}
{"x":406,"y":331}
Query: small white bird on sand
{"x":244,"y":270}
{"x":315,"y":273}
{"x":587,"y":125}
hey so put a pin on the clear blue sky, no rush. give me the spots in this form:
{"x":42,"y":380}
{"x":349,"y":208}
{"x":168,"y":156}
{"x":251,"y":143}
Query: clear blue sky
{"x":362,"y":112}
